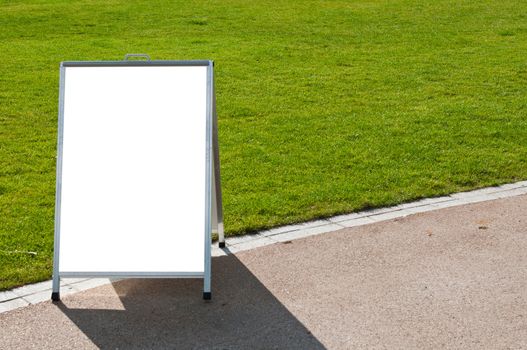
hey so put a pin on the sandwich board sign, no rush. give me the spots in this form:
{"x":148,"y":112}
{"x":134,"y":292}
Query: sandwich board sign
{"x":138,"y":189}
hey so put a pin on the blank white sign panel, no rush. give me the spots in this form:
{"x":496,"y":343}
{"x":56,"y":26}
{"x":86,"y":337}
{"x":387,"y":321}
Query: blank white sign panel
{"x":133,"y":169}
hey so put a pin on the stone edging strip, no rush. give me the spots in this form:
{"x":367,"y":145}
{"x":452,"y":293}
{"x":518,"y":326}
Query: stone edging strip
{"x":38,"y":292}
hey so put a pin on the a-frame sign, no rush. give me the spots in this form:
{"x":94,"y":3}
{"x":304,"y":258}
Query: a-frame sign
{"x":138,"y":189}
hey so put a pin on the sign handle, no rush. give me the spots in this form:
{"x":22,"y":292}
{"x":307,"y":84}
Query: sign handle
{"x":137,"y":55}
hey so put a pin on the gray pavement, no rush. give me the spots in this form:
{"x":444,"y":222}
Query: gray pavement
{"x":444,"y":279}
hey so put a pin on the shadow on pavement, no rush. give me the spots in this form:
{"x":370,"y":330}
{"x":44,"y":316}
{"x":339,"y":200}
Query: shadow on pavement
{"x":170,"y":313}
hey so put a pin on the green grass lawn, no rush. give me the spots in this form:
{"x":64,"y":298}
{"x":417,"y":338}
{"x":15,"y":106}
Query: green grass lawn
{"x":325,"y":107}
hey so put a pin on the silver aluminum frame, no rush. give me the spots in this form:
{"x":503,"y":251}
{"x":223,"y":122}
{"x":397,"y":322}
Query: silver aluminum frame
{"x":217,"y":207}
{"x":211,"y":174}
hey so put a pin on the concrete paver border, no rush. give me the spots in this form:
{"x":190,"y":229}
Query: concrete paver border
{"x":38,"y":292}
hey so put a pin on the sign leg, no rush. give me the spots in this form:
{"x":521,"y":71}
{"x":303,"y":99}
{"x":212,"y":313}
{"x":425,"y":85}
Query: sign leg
{"x":207,"y":272}
{"x":217,"y":212}
{"x":217,"y":202}
{"x":55,"y":290}
{"x":209,"y":199}
{"x":55,"y":284}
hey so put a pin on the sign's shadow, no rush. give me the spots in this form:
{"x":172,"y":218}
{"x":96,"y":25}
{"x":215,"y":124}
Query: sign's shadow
{"x":171,"y":314}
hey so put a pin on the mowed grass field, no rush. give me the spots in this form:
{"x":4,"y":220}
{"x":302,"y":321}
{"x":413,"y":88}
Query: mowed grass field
{"x":325,"y":107}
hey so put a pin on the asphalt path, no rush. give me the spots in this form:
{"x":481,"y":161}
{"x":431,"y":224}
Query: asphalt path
{"x":453,"y":278}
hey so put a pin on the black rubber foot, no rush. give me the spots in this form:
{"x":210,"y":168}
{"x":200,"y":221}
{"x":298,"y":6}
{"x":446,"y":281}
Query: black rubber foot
{"x":221,"y":244}
{"x":55,"y":296}
{"x":207,"y":296}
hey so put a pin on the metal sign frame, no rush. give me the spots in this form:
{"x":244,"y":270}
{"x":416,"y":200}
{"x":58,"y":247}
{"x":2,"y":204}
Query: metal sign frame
{"x":213,"y":215}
